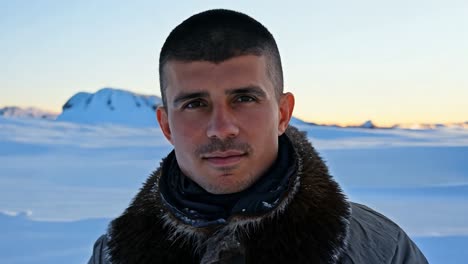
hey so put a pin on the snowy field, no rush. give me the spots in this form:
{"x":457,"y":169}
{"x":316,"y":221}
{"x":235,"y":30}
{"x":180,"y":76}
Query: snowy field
{"x":61,"y":183}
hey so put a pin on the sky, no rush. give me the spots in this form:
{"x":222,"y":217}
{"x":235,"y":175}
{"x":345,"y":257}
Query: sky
{"x":346,"y":61}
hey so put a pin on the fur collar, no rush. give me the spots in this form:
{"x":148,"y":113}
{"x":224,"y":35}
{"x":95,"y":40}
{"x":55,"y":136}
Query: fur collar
{"x":310,"y":224}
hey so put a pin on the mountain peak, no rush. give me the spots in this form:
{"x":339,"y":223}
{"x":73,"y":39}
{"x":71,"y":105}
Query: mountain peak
{"x":30,"y":112}
{"x":368,"y":124}
{"x":111,"y":105}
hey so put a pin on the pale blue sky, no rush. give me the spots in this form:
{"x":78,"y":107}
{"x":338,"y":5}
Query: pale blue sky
{"x":346,"y":61}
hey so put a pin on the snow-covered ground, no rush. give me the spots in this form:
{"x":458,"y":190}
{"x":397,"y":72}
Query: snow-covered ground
{"x":60,"y":182}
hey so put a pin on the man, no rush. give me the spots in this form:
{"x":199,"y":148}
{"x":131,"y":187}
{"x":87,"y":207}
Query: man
{"x":240,"y":186}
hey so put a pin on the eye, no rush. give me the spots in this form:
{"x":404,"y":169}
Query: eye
{"x":245,"y":98}
{"x":194,"y":104}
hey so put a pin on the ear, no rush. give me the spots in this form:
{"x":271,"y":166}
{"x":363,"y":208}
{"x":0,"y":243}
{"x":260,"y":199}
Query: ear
{"x":286,"y":107}
{"x":163,"y":120}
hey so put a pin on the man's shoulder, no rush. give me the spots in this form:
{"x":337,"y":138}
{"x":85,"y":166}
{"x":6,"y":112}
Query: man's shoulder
{"x":99,"y":251}
{"x":373,"y":221}
{"x":382,"y":240}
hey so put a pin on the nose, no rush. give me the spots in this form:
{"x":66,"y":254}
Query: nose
{"x":222,"y":123}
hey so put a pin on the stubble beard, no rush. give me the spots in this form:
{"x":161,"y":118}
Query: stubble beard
{"x":238,"y":183}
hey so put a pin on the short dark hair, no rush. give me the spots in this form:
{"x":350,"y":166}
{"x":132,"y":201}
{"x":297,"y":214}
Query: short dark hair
{"x":217,"y":35}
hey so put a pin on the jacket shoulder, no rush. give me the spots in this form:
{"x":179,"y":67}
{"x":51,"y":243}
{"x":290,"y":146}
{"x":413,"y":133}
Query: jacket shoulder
{"x":99,"y":251}
{"x":374,"y":238}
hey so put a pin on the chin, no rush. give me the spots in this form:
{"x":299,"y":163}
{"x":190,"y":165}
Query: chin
{"x":223,"y":188}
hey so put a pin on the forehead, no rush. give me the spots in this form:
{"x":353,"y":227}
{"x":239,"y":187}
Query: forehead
{"x":204,"y":75}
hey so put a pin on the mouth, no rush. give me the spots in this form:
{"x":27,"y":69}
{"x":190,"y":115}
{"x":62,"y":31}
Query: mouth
{"x":225,"y":158}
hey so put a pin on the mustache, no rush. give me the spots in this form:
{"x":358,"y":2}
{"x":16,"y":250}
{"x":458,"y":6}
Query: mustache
{"x":217,"y":144}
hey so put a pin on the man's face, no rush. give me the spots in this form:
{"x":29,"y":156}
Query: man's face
{"x":223,"y":120}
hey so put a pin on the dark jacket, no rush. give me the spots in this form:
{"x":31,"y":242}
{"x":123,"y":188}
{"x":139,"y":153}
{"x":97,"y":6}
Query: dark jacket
{"x":313,"y":223}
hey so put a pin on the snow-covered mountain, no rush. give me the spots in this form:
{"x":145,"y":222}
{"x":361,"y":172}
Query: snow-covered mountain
{"x":368,"y":124}
{"x":422,"y":126}
{"x":110,"y":105}
{"x":30,"y":112}
{"x":411,"y":126}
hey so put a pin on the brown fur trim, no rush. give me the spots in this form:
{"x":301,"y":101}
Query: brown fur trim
{"x":310,"y":225}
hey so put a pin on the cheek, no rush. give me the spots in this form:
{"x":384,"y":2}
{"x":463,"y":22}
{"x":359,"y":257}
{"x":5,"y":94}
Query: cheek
{"x":186,"y":131}
{"x":261,"y":129}
{"x":261,"y":119}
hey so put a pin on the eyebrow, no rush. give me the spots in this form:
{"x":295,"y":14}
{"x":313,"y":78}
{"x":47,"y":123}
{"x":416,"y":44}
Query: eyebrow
{"x":255,"y":90}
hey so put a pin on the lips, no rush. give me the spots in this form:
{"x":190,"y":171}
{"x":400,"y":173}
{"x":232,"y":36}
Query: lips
{"x":225,"y":158}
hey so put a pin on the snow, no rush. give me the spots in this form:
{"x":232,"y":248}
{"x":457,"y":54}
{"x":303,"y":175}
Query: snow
{"x":27,"y":241}
{"x":368,"y":124}
{"x":459,"y":125}
{"x":30,"y":112}
{"x":62,"y":181}
{"x":110,"y":105}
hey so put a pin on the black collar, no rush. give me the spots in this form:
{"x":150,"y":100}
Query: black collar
{"x":194,"y":206}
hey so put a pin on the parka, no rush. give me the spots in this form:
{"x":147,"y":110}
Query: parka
{"x":313,"y":223}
